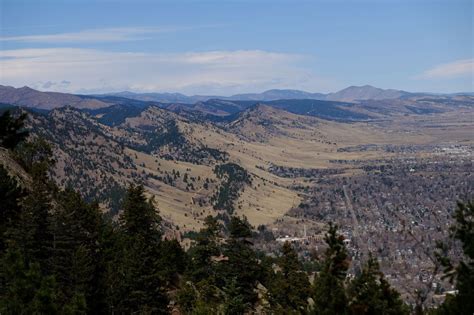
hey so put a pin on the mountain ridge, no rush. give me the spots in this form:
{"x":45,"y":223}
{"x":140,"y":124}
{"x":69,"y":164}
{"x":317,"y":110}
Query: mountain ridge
{"x":28,"y":97}
{"x":355,"y":103}
{"x":351,"y":93}
{"x":365,"y":92}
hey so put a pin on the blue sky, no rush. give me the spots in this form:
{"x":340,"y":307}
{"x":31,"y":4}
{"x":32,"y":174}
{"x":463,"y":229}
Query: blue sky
{"x":227,"y":47}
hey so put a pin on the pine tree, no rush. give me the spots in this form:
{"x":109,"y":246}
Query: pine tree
{"x":242,"y":266}
{"x":26,"y":285}
{"x":10,"y":210}
{"x":370,"y":293}
{"x":202,"y":292}
{"x":173,"y":261}
{"x":12,"y":133}
{"x":76,"y":252}
{"x":462,"y":273}
{"x":36,"y":157}
{"x":12,"y":130}
{"x":206,"y":246}
{"x":140,"y":218}
{"x":236,"y":303}
{"x":141,"y":288}
{"x":290,"y":287}
{"x":24,"y":289}
{"x":33,"y":236}
{"x":328,"y":290}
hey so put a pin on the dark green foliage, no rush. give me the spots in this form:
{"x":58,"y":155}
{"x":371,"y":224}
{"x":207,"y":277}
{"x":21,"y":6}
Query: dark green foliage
{"x":78,"y":305}
{"x":462,"y":273}
{"x":115,"y":194}
{"x":180,"y":148}
{"x":10,"y":194}
{"x":239,"y":228}
{"x":221,"y":276}
{"x":201,"y":292}
{"x":241,"y":271}
{"x":12,"y":130}
{"x":234,"y":178}
{"x":117,"y":114}
{"x":26,"y":285}
{"x":187,"y":298}
{"x":139,"y":218}
{"x":236,"y":302}
{"x":76,"y":252}
{"x":35,"y":156}
{"x":137,"y":259}
{"x":198,"y":299}
{"x":215,"y":153}
{"x":328,"y":291}
{"x":34,"y":236}
{"x":370,"y":293}
{"x":25,"y":290}
{"x":290,"y":287}
{"x":140,"y":286}
{"x":206,"y":246}
{"x":174,"y":260}
{"x":234,"y":171}
{"x":265,"y":234}
{"x":170,"y":135}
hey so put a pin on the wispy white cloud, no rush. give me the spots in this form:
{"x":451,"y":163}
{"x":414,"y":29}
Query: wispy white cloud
{"x":91,"y":70}
{"x":449,"y":70}
{"x":115,"y":34}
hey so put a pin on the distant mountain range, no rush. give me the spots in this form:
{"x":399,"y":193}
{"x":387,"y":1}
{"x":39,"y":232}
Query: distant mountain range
{"x":299,"y":102}
{"x":350,"y":94}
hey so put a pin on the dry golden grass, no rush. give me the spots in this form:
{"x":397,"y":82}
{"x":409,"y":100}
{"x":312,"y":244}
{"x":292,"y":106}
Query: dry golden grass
{"x":289,"y":140}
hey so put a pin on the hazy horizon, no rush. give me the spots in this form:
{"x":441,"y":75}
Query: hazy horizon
{"x":229,"y":95}
{"x":226,"y":48}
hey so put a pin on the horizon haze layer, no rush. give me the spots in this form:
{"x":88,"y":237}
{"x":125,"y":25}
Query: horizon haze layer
{"x":92,"y":47}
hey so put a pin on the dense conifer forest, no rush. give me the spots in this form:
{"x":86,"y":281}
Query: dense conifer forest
{"x":61,"y":255}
